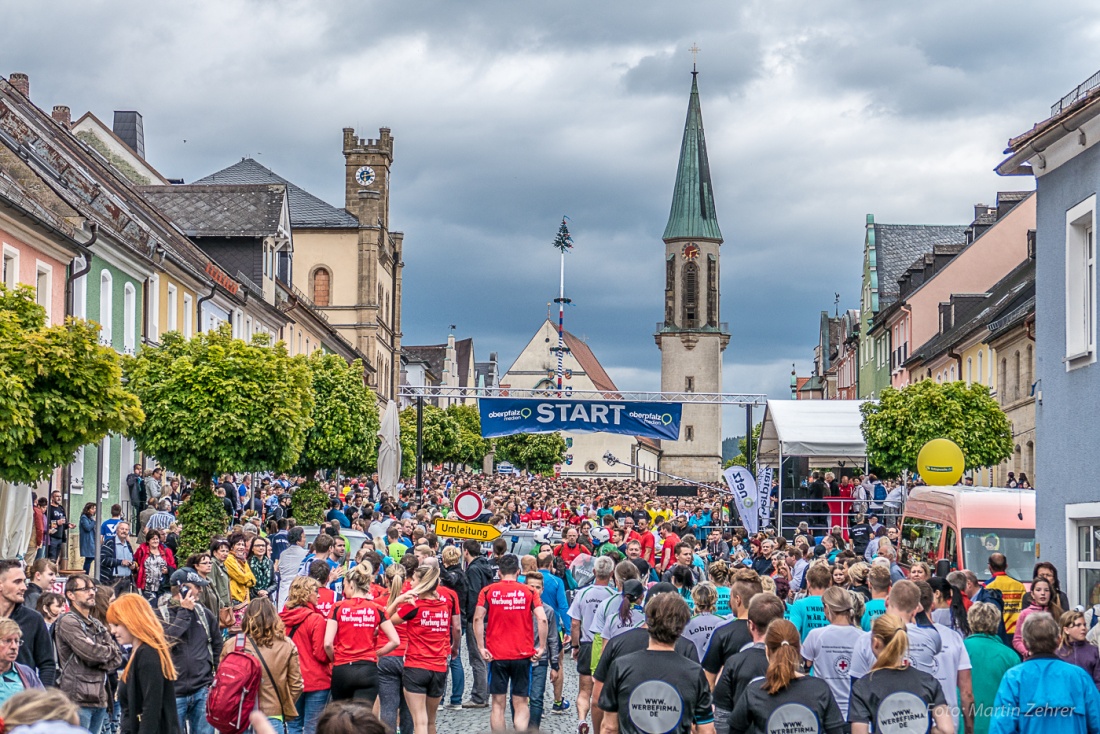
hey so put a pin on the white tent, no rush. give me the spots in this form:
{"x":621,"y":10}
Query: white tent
{"x":826,"y":431}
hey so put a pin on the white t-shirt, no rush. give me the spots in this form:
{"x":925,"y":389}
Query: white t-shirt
{"x":924,"y":645}
{"x":952,"y":658}
{"x":584,"y":607}
{"x":700,"y":628}
{"x":831,"y":649}
{"x":607,"y":622}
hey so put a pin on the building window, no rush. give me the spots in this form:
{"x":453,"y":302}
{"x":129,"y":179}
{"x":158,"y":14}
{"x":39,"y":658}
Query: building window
{"x":981,"y":375}
{"x":105,"y":465}
{"x":712,"y":291}
{"x":321,"y":285}
{"x":188,"y":316}
{"x":689,"y":384}
{"x":691,"y":296}
{"x":43,"y":292}
{"x":1080,"y":285}
{"x":1002,"y":380}
{"x":106,"y":310}
{"x":1016,"y":375}
{"x":11,"y":266}
{"x":1029,"y":371}
{"x":76,"y":472}
{"x":154,"y":309}
{"x":248,"y":328}
{"x":125,"y":456}
{"x":969,"y":370}
{"x":80,"y":291}
{"x":129,"y":318}
{"x":173,"y":308}
{"x":689,"y":433}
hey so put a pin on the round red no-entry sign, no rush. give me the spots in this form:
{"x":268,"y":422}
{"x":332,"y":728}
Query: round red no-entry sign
{"x":468,"y":505}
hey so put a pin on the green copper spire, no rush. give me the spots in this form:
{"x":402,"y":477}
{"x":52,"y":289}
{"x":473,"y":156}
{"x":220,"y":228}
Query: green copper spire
{"x":693,"y":215}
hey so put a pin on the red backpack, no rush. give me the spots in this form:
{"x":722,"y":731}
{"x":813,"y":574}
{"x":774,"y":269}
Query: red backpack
{"x":234,"y":692}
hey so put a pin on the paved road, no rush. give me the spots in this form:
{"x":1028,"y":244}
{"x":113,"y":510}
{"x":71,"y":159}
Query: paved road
{"x":474,"y":721}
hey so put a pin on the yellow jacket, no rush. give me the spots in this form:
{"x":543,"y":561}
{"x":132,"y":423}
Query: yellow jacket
{"x":241,"y":579}
{"x":1012,"y":594}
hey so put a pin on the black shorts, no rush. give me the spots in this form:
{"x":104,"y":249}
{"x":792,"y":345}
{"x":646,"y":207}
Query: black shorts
{"x":514,"y":672}
{"x":355,"y":680}
{"x":429,"y":682}
{"x":584,"y":658}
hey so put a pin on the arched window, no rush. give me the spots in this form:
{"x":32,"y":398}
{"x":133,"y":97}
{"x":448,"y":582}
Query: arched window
{"x":129,"y":319}
{"x":981,"y":375}
{"x":970,"y":370}
{"x":1016,"y":375}
{"x":321,"y":281}
{"x":1029,"y":371}
{"x":691,"y":296}
{"x":1002,"y":381}
{"x":106,"y":307}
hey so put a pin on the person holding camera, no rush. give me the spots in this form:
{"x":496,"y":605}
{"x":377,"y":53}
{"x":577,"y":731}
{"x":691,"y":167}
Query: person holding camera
{"x":192,"y":632}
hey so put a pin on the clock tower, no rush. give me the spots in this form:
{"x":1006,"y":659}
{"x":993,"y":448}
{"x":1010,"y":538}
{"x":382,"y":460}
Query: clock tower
{"x":692,"y":337}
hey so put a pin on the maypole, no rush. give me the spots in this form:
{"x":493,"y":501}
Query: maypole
{"x":563,"y":242}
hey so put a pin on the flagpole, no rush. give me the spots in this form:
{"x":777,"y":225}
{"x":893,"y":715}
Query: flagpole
{"x":561,"y":320}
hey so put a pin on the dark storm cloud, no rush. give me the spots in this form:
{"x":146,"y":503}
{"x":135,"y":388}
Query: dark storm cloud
{"x":508,"y":115}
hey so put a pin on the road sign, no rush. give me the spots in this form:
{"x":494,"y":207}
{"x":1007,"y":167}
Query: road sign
{"x":482,"y":531}
{"x":468,"y":505}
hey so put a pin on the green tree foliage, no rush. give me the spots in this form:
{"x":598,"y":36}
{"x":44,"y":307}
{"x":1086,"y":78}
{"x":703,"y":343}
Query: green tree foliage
{"x":902,"y":421}
{"x":534,"y":452}
{"x":344,"y":434}
{"x":59,"y":389}
{"x":201,"y":518}
{"x":440,"y":437}
{"x":470,"y":448}
{"x":309,"y":503}
{"x":217,"y":404}
{"x":743,"y":447}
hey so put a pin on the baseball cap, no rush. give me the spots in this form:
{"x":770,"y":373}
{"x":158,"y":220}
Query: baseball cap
{"x":633,"y":589}
{"x":187,"y":576}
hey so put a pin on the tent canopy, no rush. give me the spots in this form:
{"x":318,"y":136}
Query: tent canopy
{"x":824,"y":430}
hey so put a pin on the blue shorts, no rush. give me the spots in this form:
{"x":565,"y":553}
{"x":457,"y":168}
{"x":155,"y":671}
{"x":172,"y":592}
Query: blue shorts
{"x":516,"y":673}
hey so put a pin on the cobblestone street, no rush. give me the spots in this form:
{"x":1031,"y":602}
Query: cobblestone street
{"x":475,"y":721}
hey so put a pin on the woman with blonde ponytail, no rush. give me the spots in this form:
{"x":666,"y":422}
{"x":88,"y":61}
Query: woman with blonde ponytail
{"x":392,"y":704}
{"x":797,"y":702}
{"x":353,"y":640}
{"x":898,"y":690}
{"x":433,"y":627}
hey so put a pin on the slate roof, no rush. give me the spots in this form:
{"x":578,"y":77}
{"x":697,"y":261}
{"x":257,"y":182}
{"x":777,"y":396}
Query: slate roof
{"x":220,"y":211}
{"x":1006,"y":297}
{"x":897,"y":246}
{"x":306,"y":210}
{"x":692,"y":214}
{"x":434,"y":355}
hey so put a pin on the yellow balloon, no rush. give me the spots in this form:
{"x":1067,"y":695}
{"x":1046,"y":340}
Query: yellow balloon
{"x":941,"y":462}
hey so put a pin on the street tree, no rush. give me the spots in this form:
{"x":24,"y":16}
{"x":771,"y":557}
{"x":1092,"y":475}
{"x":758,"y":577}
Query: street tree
{"x":344,"y":434}
{"x":217,"y":404}
{"x":743,"y":447}
{"x":533,"y":452}
{"x":900,"y":422}
{"x":60,"y":389}
{"x":470,"y":448}
{"x":440,"y":437}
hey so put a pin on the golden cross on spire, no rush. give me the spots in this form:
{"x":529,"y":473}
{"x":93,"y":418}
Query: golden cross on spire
{"x":694,"y":54}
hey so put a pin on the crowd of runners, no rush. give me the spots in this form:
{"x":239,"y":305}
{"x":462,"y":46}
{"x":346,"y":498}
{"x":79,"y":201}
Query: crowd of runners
{"x":673,"y":617}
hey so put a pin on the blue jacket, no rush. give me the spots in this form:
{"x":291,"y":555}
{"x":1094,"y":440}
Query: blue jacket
{"x":1045,"y":695}
{"x":553,"y":593}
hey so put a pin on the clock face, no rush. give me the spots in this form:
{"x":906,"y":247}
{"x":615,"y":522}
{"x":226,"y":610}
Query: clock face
{"x":365,"y":176}
{"x":691,"y":251}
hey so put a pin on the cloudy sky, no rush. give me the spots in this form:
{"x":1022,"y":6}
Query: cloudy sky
{"x":509,"y":114}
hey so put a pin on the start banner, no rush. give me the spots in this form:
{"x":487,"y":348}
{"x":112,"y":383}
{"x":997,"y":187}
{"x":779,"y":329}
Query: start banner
{"x":507,"y":416}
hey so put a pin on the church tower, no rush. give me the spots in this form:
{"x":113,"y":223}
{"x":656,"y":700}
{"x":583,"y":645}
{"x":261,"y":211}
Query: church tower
{"x":691,"y":337}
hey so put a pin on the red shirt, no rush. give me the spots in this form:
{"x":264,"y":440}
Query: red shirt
{"x":649,"y":548}
{"x":452,"y":598}
{"x":358,"y":621}
{"x":326,"y":598}
{"x":668,"y":547}
{"x":428,"y":627}
{"x":509,"y":626}
{"x":568,"y":554}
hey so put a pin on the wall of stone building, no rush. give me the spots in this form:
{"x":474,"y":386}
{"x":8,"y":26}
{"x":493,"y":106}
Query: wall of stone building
{"x":1014,"y":397}
{"x":698,"y":356}
{"x":335,"y":250}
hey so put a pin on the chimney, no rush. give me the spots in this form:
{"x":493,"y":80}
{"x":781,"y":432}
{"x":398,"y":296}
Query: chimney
{"x":63,"y":116}
{"x":128,"y":127}
{"x":21,"y":82}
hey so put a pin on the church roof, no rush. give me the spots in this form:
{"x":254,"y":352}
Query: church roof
{"x":693,"y":214}
{"x":899,"y":245}
{"x":306,"y":210}
{"x":591,"y":366}
{"x":435,"y":355}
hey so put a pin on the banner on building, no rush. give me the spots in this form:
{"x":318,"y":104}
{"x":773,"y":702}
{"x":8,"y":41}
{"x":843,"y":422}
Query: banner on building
{"x":507,"y":416}
{"x":745,"y":496}
{"x":764,"y":485}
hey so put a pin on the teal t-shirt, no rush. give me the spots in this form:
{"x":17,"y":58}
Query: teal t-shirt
{"x":872,"y":611}
{"x":722,"y":608}
{"x":808,"y":613}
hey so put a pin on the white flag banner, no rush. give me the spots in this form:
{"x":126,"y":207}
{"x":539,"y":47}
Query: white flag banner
{"x":745,"y":495}
{"x":764,"y":485}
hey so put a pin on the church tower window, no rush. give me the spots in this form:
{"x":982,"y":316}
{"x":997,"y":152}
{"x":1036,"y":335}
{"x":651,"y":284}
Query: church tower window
{"x":712,"y":291}
{"x":691,"y":296}
{"x":321,"y":281}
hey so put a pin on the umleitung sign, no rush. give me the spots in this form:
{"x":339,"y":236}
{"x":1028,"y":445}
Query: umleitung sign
{"x":482,"y":531}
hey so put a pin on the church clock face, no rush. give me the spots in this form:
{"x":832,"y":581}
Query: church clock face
{"x":365,"y":176}
{"x":691,"y":251}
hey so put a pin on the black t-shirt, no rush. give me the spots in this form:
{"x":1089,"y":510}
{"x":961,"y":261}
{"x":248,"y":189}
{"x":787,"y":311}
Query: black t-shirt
{"x":806,"y":706}
{"x":632,"y":641}
{"x":640,"y":515}
{"x":57,"y":515}
{"x":861,"y":536}
{"x":657,"y":691}
{"x":895,"y":700}
{"x":738,"y":671}
{"x":643,"y":568}
{"x":727,"y":640}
